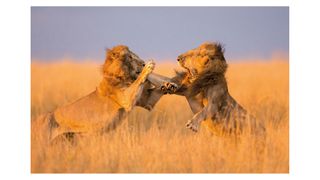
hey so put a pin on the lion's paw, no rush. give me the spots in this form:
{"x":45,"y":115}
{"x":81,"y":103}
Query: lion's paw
{"x":169,"y":88}
{"x":149,"y":67}
{"x":194,"y":126}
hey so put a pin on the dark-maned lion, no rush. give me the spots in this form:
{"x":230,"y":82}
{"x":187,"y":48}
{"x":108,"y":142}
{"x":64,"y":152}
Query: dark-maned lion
{"x":205,"y":87}
{"x":123,"y":86}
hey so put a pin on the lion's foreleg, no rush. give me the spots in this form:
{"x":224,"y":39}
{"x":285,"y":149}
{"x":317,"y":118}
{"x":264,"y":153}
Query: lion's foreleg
{"x":214,"y":95}
{"x":152,"y":95}
{"x":165,"y":84}
{"x":158,"y":80}
{"x":116,"y":121}
{"x":131,"y":95}
{"x":207,"y":112}
{"x":194,"y":104}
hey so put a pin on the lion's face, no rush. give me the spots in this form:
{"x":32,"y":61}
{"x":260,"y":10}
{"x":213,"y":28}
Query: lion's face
{"x":206,"y":57}
{"x":122,"y":64}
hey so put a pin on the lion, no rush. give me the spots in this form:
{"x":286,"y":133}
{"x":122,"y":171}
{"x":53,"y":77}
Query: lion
{"x":127,"y":82}
{"x":205,"y":87}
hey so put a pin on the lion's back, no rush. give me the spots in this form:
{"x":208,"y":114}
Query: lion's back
{"x":88,"y":113}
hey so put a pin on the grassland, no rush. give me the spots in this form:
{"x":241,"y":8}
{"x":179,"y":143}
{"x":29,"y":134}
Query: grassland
{"x":157,"y":141}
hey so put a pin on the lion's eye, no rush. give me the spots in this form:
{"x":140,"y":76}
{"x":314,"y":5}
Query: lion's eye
{"x":143,"y":65}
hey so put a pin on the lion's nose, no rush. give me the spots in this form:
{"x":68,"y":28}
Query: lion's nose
{"x":138,"y":72}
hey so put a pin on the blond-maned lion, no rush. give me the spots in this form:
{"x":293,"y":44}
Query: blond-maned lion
{"x":205,"y":87}
{"x":127,"y":81}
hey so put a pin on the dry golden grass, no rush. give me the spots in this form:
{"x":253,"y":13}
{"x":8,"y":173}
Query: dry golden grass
{"x":157,"y":141}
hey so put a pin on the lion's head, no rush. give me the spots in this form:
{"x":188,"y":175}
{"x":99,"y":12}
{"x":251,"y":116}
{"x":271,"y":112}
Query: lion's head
{"x":121,"y":66}
{"x":208,"y":57}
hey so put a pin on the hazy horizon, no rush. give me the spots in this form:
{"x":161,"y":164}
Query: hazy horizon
{"x":161,"y":33}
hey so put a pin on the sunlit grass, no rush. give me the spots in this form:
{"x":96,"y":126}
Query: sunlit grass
{"x":157,"y":141}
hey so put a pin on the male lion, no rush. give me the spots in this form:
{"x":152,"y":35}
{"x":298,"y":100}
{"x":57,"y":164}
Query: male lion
{"x":205,"y":87}
{"x":126,"y":83}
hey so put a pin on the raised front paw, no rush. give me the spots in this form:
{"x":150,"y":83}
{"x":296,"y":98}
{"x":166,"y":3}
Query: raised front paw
{"x":193,"y":125}
{"x":149,"y":67}
{"x":169,"y":88}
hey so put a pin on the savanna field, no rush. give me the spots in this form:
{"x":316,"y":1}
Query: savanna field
{"x":157,"y":141}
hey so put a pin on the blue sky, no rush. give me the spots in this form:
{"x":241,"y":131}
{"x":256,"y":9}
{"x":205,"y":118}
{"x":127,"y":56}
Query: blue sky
{"x":161,"y":33}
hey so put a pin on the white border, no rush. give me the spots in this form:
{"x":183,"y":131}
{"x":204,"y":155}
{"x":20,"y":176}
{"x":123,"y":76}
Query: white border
{"x":15,"y":86}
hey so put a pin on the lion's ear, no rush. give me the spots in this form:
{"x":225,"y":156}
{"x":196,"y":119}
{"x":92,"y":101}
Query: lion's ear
{"x":217,"y":54}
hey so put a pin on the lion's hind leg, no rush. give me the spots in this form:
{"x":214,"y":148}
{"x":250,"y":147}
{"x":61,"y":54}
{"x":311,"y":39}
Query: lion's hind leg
{"x":42,"y":129}
{"x":51,"y":130}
